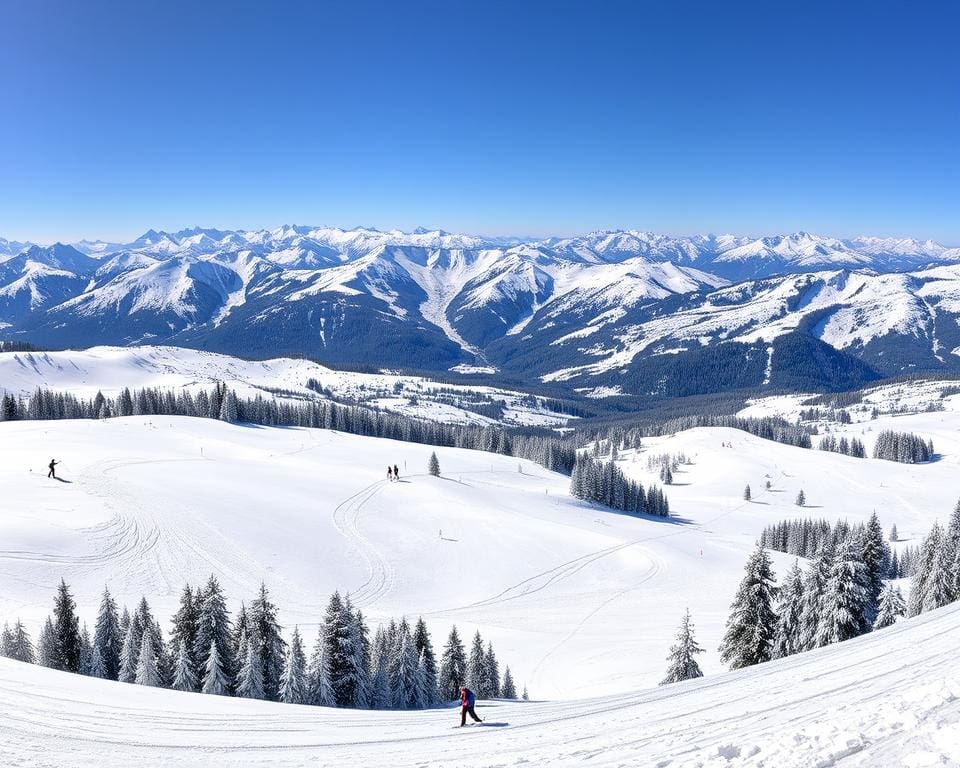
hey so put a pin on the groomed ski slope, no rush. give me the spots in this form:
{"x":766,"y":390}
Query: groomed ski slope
{"x":888,"y":699}
{"x":578,"y":600}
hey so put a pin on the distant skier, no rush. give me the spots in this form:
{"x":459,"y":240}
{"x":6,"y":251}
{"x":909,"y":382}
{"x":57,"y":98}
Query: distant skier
{"x":396,"y":473}
{"x":467,"y":702}
{"x":389,"y":473}
{"x":53,"y":472}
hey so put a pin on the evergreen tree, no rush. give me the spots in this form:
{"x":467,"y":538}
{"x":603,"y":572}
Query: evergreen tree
{"x":491,"y":673}
{"x":746,"y":493}
{"x":929,"y":574}
{"x":130,"y":651}
{"x":814,"y":595}
{"x":508,"y":689}
{"x":845,"y":604}
{"x":66,"y":631}
{"x":293,"y":683}
{"x":476,"y":668}
{"x":894,"y":536}
{"x":107,"y":639}
{"x":381,"y":694}
{"x":97,"y":666}
{"x":750,"y":629}
{"x":265,"y":636}
{"x":403,"y":671}
{"x":358,"y":656}
{"x":213,"y":629}
{"x":939,"y":581}
{"x":339,"y":639}
{"x":184,"y":677}
{"x":525,"y":696}
{"x":433,"y":466}
{"x":147,"y":671}
{"x":892,"y":607}
{"x":319,"y":687}
{"x":19,"y":646}
{"x":453,"y":668}
{"x":47,"y":645}
{"x":423,"y":692}
{"x":183,"y":638}
{"x":788,"y":639}
{"x":250,"y":679}
{"x":86,"y":651}
{"x":801,"y":499}
{"x":215,"y":678}
{"x":229,"y":409}
{"x":876,"y":558}
{"x":683,"y":665}
{"x":421,"y":638}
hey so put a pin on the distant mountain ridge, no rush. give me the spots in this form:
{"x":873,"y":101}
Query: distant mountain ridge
{"x":624,"y":311}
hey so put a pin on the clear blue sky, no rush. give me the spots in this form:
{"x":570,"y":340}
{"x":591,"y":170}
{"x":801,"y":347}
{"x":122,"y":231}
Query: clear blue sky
{"x":488,"y":117}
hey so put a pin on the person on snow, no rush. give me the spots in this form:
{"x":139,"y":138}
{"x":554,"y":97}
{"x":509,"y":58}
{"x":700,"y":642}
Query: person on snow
{"x":396,"y":473}
{"x":467,"y":702}
{"x":389,"y":473}
{"x":53,"y":472}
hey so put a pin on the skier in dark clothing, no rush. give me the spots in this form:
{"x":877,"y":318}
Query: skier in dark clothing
{"x":396,"y":472}
{"x":53,"y":472}
{"x":389,"y":473}
{"x":467,"y":702}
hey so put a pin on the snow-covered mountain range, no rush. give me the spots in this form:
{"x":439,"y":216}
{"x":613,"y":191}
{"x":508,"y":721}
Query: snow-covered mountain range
{"x":581,"y":312}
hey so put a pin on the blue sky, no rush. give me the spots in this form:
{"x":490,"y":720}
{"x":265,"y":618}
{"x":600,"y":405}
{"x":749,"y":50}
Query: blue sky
{"x":487,"y":117}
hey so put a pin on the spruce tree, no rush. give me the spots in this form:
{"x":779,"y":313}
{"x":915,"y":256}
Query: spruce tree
{"x":453,"y":668}
{"x":846,"y":600}
{"x":423,"y":692}
{"x":19,"y":646}
{"x":97,"y":666}
{"x":339,"y":638}
{"x":746,"y":493}
{"x":752,"y":624}
{"x":66,"y":630}
{"x":359,"y":657}
{"x":508,"y":689}
{"x":875,"y":555}
{"x":47,"y":645}
{"x":814,"y":595}
{"x":250,"y":679}
{"x":381,"y":694}
{"x":788,"y":639}
{"x":433,"y":465}
{"x":184,"y":677}
{"x":421,"y":637}
{"x":894,"y":536}
{"x":801,"y":499}
{"x":215,"y":678}
{"x":213,"y":629}
{"x":107,"y":639}
{"x":683,"y":665}
{"x":293,"y":682}
{"x":491,"y":673}
{"x":892,"y":607}
{"x":147,"y":671}
{"x":403,"y":672}
{"x":476,"y":668}
{"x":130,"y":651}
{"x":525,"y":696}
{"x":319,"y":687}
{"x":86,"y":651}
{"x":183,"y":637}
{"x":265,"y":635}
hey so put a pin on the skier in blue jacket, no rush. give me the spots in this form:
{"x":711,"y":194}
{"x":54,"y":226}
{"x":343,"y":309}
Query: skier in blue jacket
{"x":467,"y":701}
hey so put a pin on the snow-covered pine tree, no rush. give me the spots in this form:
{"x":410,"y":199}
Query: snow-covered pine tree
{"x":491,"y":673}
{"x":293,"y":681}
{"x":752,"y":624}
{"x":433,"y":465}
{"x":18,"y":645}
{"x":476,"y":664}
{"x":894,"y":536}
{"x":339,"y":651}
{"x":892,"y":607}
{"x":86,"y":651}
{"x":788,"y":640}
{"x":184,"y":677}
{"x":403,"y":671}
{"x":423,"y":692}
{"x":421,"y":638}
{"x":380,"y":692}
{"x":876,"y":557}
{"x":683,"y":665}
{"x":107,"y":639}
{"x":358,"y":656}
{"x":746,"y":493}
{"x":47,"y":645}
{"x":508,"y":689}
{"x":801,"y":499}
{"x":250,"y":679}
{"x":183,"y":636}
{"x":924,"y":568}
{"x":130,"y":650}
{"x":953,"y":529}
{"x":938,"y":585}
{"x":319,"y":688}
{"x":525,"y":696}
{"x":66,"y":630}
{"x":265,"y":635}
{"x":147,"y":671}
{"x":845,"y":604}
{"x":814,"y":594}
{"x":97,"y":667}
{"x":229,"y":409}
{"x":213,"y":628}
{"x":215,"y":678}
{"x":453,"y":668}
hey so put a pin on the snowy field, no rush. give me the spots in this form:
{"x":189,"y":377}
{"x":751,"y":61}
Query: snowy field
{"x":577,"y":600}
{"x":885,"y":700}
{"x":110,"y":369}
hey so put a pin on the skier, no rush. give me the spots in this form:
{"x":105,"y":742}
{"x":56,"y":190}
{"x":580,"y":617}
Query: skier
{"x":389,"y":473}
{"x":53,"y":472}
{"x":467,"y":701}
{"x":396,"y":473}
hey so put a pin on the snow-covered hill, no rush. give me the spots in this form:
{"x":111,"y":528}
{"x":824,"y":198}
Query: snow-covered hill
{"x":110,"y":369}
{"x":581,"y":600}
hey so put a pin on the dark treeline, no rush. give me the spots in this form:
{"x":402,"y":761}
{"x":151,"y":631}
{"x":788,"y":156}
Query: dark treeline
{"x":904,"y":447}
{"x":222,"y":403}
{"x":210,"y":651}
{"x":841,"y":416}
{"x":18,"y":346}
{"x":852,"y":447}
{"x":604,"y":483}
